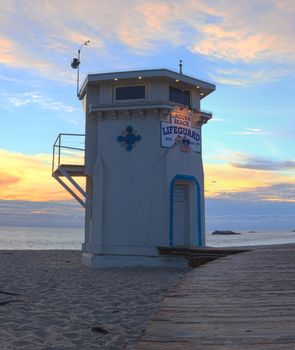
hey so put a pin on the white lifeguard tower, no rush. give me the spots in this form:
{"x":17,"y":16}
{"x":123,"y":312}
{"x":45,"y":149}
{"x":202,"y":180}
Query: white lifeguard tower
{"x":143,"y":166}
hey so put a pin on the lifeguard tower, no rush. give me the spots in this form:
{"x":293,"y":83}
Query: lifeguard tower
{"x":143,"y":166}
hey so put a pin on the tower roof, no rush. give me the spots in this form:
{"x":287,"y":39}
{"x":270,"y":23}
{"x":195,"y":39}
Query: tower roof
{"x":184,"y":80}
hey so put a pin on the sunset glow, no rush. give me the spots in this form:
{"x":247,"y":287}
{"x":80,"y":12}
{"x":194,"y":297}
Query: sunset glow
{"x":25,"y":177}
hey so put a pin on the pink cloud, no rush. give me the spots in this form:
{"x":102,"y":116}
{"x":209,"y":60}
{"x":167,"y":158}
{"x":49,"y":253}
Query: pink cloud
{"x":6,"y":54}
{"x":7,"y":180}
{"x":235,"y":45}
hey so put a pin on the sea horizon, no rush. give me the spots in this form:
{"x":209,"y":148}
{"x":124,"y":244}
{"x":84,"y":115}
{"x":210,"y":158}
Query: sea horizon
{"x":71,"y":238}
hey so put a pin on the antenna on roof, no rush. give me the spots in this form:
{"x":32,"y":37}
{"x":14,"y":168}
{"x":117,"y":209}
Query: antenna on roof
{"x":76,"y":63}
{"x":180,"y":67}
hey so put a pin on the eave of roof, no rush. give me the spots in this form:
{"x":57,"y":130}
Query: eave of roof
{"x":93,"y":79}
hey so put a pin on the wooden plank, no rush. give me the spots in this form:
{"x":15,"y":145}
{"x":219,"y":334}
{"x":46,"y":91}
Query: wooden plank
{"x":182,"y":250}
{"x":244,"y":301}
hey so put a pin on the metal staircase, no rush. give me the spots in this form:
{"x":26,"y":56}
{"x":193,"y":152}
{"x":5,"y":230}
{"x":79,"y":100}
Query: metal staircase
{"x":68,"y":164}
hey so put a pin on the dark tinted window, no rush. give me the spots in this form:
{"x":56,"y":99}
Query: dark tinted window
{"x":130,"y":92}
{"x":179,"y":96}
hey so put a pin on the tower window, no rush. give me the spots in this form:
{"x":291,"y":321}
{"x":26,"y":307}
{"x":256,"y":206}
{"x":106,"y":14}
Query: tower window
{"x":182,"y":97}
{"x":136,"y":92}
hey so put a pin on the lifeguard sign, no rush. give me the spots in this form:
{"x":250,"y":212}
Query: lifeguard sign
{"x":143,"y":166}
{"x":180,"y":131}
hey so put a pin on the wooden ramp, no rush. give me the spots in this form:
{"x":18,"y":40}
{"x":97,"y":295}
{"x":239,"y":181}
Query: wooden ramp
{"x":244,"y":301}
{"x":201,"y":255}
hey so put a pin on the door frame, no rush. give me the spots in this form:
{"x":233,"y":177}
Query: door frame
{"x":187,"y":179}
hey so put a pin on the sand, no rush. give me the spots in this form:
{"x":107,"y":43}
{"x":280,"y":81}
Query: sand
{"x":49,"y":300}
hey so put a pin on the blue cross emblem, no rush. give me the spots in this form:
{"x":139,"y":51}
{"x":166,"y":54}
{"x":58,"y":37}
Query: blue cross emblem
{"x":129,"y":139}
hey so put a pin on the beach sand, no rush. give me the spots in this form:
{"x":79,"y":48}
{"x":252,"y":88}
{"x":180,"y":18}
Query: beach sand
{"x":49,"y":300}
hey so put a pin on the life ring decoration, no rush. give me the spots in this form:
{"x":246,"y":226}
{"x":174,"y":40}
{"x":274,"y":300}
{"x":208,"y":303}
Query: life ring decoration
{"x":184,"y":144}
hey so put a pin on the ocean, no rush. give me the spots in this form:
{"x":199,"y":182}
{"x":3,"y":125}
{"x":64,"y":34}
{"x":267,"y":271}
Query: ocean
{"x":262,"y":237}
{"x":40,"y":238}
{"x":43,"y":238}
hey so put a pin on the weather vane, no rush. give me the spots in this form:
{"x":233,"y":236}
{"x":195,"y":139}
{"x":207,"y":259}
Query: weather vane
{"x":180,"y":67}
{"x":76,"y":63}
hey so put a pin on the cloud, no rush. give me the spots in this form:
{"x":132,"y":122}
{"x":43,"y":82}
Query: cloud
{"x":219,"y":120}
{"x":280,"y":193}
{"x":18,"y":53}
{"x":250,"y":75}
{"x":34,"y":97}
{"x":246,"y":33}
{"x":28,"y":177}
{"x":247,"y":162}
{"x":6,"y":180}
{"x":7,"y":48}
{"x":243,"y":32}
{"x":234,"y":45}
{"x":238,"y":214}
{"x":10,"y":79}
{"x":41,"y":214}
{"x":253,"y":129}
{"x":248,"y":131}
{"x":149,"y":19}
{"x":258,"y":182}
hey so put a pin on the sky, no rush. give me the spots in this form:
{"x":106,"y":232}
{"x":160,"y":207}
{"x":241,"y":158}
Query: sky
{"x":246,"y":48}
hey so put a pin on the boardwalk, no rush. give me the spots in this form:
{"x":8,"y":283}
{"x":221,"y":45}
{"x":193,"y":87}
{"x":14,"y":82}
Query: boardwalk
{"x":244,"y":301}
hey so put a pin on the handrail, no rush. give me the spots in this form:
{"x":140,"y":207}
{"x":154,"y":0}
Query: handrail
{"x":61,"y":144}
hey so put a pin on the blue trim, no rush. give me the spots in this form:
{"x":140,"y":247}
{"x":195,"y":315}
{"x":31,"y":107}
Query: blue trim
{"x":199,"y":218}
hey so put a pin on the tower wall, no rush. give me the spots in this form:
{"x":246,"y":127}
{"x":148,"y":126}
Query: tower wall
{"x":134,"y":176}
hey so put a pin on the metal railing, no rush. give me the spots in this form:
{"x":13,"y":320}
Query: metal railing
{"x":68,"y":149}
